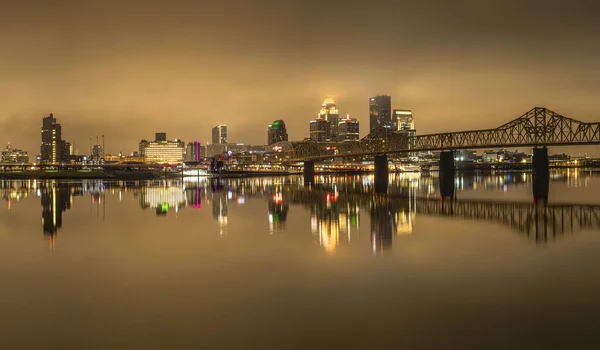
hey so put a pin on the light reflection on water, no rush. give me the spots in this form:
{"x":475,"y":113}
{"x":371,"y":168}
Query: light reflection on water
{"x":275,"y":259}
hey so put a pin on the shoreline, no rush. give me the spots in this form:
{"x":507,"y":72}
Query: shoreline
{"x":100,"y":175}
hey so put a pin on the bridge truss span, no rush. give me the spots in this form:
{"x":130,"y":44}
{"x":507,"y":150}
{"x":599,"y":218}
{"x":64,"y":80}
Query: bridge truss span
{"x":537,"y":127}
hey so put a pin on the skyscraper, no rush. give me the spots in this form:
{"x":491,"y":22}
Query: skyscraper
{"x":319,"y":130}
{"x":380,"y":109}
{"x":330,"y":113}
{"x":348,"y":130}
{"x":53,"y":149}
{"x":276,"y":132}
{"x":219,"y":134}
{"x":405,"y":124}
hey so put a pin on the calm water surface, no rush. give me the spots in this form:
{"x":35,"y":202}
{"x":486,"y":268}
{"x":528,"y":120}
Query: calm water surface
{"x":268,"y":263}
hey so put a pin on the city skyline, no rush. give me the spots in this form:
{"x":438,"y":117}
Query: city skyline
{"x":96,"y":66}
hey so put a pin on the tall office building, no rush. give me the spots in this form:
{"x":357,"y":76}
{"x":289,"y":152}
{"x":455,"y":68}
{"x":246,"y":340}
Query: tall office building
{"x":320,"y":130}
{"x":348,"y":130}
{"x":330,"y":113}
{"x":276,"y":132}
{"x":195,"y":151}
{"x":54,"y":149}
{"x":162,"y":152}
{"x":380,"y":109}
{"x":219,"y":134}
{"x":404,"y":119}
{"x":406,"y":125}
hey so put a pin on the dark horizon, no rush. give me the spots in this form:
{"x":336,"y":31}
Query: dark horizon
{"x":129,"y":70}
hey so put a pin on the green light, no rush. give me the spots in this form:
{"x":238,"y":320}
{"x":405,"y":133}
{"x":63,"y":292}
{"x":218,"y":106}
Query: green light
{"x":165,"y":207}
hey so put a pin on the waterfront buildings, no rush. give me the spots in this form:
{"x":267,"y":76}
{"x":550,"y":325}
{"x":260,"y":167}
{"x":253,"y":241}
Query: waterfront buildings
{"x":219,"y":134}
{"x":348,"y":130}
{"x":380,"y":109}
{"x":54,"y":149}
{"x":403,"y":118}
{"x":320,"y":130}
{"x":277,"y":132}
{"x":162,"y":152}
{"x":14,"y":155}
{"x":329,"y":112}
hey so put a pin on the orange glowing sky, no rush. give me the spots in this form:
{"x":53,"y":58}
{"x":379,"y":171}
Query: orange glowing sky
{"x":127,"y":69}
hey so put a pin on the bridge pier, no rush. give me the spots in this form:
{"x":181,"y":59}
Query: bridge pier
{"x":381,"y":173}
{"x":447,"y":174}
{"x":540,"y":175}
{"x":309,"y":171}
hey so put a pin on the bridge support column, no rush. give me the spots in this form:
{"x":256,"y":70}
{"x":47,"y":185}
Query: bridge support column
{"x":309,"y":171}
{"x":447,"y":172}
{"x":381,"y":174}
{"x":540,"y":175}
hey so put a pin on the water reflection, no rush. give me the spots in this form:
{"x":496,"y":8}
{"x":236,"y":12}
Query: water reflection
{"x":334,"y":204}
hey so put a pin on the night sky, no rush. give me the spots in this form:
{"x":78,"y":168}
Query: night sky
{"x":127,"y":69}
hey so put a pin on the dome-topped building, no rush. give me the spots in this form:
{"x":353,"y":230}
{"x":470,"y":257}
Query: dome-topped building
{"x":329,"y":112}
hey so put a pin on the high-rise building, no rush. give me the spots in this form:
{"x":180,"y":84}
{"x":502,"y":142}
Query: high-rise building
{"x":404,"y":119}
{"x":53,"y":149}
{"x":276,"y":132}
{"x":160,"y":136}
{"x":13,"y":155}
{"x":219,"y":134}
{"x":330,"y":113}
{"x":320,"y":130}
{"x":162,"y":152}
{"x":380,"y":109}
{"x":195,"y":151}
{"x":348,"y":130}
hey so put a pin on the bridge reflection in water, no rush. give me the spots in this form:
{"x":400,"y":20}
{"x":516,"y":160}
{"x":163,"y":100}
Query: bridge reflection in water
{"x":335,"y":204}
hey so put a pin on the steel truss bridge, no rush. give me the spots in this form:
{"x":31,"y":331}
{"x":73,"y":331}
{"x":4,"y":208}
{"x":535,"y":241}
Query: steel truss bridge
{"x":537,"y":127}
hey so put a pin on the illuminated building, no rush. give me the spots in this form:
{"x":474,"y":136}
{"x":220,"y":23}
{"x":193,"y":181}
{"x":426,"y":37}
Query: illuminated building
{"x":54,"y":149}
{"x":276,"y":132}
{"x":320,"y":130}
{"x":162,"y":152}
{"x":97,"y":152}
{"x":219,"y":134}
{"x":330,"y":113}
{"x":194,"y":151}
{"x":380,"y":109}
{"x":348,"y":130}
{"x":13,"y":155}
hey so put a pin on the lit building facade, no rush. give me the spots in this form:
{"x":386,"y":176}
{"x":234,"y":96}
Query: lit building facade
{"x":330,"y":113}
{"x":380,"y":112}
{"x":348,"y":130}
{"x":277,"y":132}
{"x":97,"y":152}
{"x":405,"y":122}
{"x":13,"y":155}
{"x":54,"y":149}
{"x":219,"y":134}
{"x":194,"y":151}
{"x":320,"y":130}
{"x":162,"y":152}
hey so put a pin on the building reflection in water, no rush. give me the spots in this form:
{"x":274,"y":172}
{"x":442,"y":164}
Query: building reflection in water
{"x":334,"y":203}
{"x":162,"y":197}
{"x":278,"y":210}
